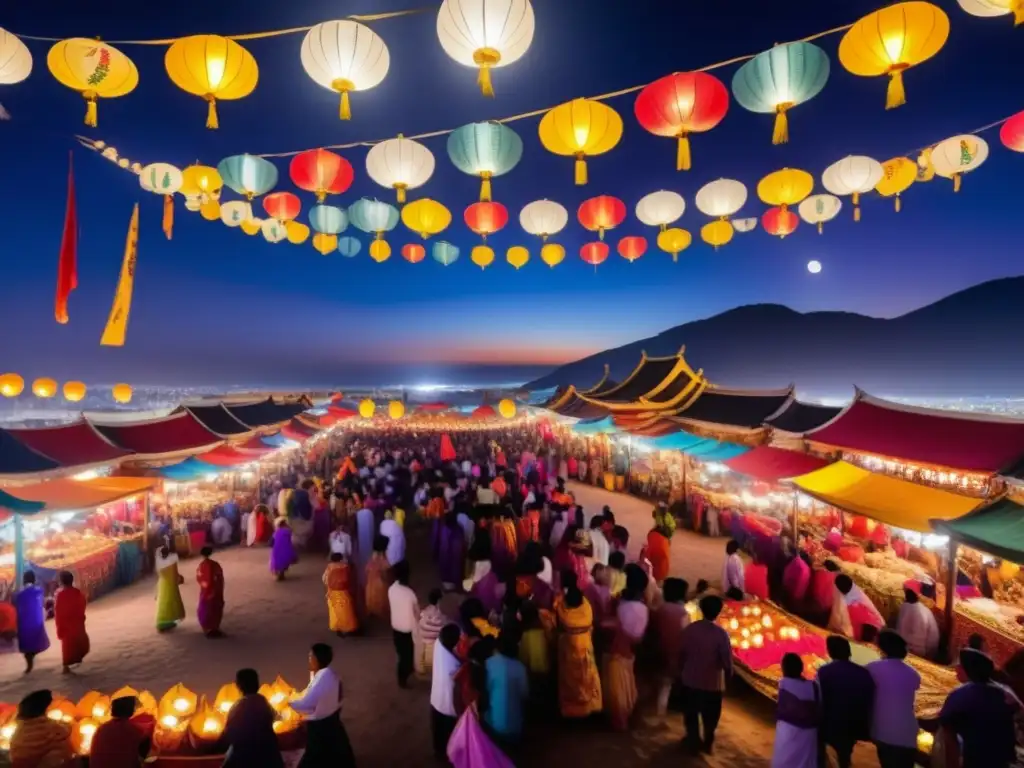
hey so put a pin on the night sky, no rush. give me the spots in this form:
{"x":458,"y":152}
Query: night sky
{"x":216,"y":306}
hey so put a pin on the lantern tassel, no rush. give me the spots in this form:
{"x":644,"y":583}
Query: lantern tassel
{"x":820,"y":228}
{"x":168,"y":221}
{"x":1017,"y":6}
{"x":600,"y":233}
{"x":856,"y":213}
{"x":895,"y":96}
{"x":675,"y":257}
{"x":485,"y":58}
{"x":683,"y":153}
{"x":345,"y":110}
{"x":581,"y":170}
{"x":400,"y":189}
{"x":956,"y":181}
{"x":781,"y":133}
{"x":483,"y":79}
{"x":211,"y":113}
{"x":91,"y":110}
{"x":899,"y":204}
{"x":485,"y":187}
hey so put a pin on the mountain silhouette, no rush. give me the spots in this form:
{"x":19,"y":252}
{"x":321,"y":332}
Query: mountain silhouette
{"x":965,"y":345}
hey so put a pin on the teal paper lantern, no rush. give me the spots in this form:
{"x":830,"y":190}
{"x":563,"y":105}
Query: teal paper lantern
{"x":349,"y":246}
{"x":248,"y":175}
{"x":485,"y":150}
{"x":328,"y":219}
{"x":444,"y":253}
{"x":780,"y":78}
{"x":373,"y":216}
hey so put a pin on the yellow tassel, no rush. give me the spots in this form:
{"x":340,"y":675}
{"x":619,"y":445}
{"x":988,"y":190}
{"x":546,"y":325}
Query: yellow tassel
{"x":483,"y":79}
{"x":581,"y":170}
{"x":856,"y":213}
{"x":895,"y":95}
{"x":168,"y":222}
{"x":600,"y":233}
{"x":956,"y":182}
{"x":345,"y":111}
{"x":91,"y":112}
{"x":899,"y":204}
{"x":211,"y":114}
{"x":781,"y":133}
{"x":819,"y":228}
{"x":683,"y":153}
{"x":485,"y":187}
{"x":400,"y":189}
{"x":485,"y":58}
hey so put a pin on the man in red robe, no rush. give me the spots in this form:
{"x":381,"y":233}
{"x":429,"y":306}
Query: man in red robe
{"x":69,"y":615}
{"x":210,"y":576}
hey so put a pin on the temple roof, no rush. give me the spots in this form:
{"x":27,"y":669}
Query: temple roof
{"x":800,"y":417}
{"x":71,"y":445}
{"x":746,"y":409}
{"x":656,"y":384}
{"x":217,"y":419}
{"x":178,"y":433}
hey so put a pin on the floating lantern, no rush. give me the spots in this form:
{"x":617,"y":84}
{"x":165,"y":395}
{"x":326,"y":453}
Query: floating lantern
{"x":517,"y":256}
{"x":211,"y":67}
{"x":632,"y":248}
{"x":444,"y":253}
{"x":485,"y":150}
{"x":721,"y":198}
{"x":344,"y":56}
{"x":163,"y":179}
{"x":122,"y":393}
{"x":396,"y":409}
{"x":248,"y":175}
{"x":817,"y":209}
{"x":321,"y":172}
{"x":210,"y":210}
{"x":485,"y":34}
{"x":414,"y":253}
{"x":366,"y":409}
{"x":273,"y":230}
{"x":95,"y":705}
{"x":324,"y":244}
{"x":252,"y":226}
{"x":1012,"y":131}
{"x":989,"y":8}
{"x":15,"y":59}
{"x":680,"y":104}
{"x":958,"y":155}
{"x":426,"y":217}
{"x":552,"y":254}
{"x":745,"y":225}
{"x":283,"y":206}
{"x":234,"y":212}
{"x":349,"y":246}
{"x":601,"y":213}
{"x":296,"y":232}
{"x":482,"y":256}
{"x":594,"y":253}
{"x":853,"y":175}
{"x":201,"y":180}
{"x":898,"y":175}
{"x":661,"y":208}
{"x":507,"y":408}
{"x":543,"y":218}
{"x":785,"y":188}
{"x":580,"y":128}
{"x":400,"y":164}
{"x":11,"y":385}
{"x":44,"y":388}
{"x":373,"y":216}
{"x":74,"y":391}
{"x":206,"y":726}
{"x":94,"y":69}
{"x":226,"y":698}
{"x":716,"y":233}
{"x":328,"y":219}
{"x":778,"y":221}
{"x":486,"y":218}
{"x":674,"y":241}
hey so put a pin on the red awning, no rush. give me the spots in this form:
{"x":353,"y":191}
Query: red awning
{"x":177,"y":433}
{"x":227,"y":456}
{"x":972,"y":442}
{"x":432,"y":407}
{"x":340,"y":412}
{"x":483,"y":412}
{"x":255,"y":447}
{"x":71,"y":445}
{"x":773,"y":464}
{"x":297,"y":431}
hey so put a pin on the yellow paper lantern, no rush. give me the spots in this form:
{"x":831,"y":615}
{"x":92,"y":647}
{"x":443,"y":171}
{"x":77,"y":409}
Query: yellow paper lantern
{"x":716,"y":234}
{"x":380,"y":251}
{"x":81,"y":735}
{"x":226,"y":698}
{"x":507,"y":408}
{"x":898,"y":175}
{"x":325,"y":244}
{"x":396,"y":409}
{"x":202,"y":181}
{"x":62,"y":710}
{"x":94,"y":69}
{"x":367,"y":408}
{"x":207,"y":723}
{"x":44,"y":388}
{"x":674,"y":240}
{"x":580,"y":128}
{"x":891,"y":40}
{"x":297,"y":232}
{"x":252,"y":226}
{"x":95,"y":705}
{"x":482,"y":256}
{"x":74,"y":391}
{"x":122,"y":393}
{"x":11,"y":385}
{"x":212,"y":67}
{"x":552,"y":254}
{"x":784,"y":188}
{"x":517,"y":256}
{"x":426,"y":217}
{"x":210,"y":210}
{"x":179,"y":701}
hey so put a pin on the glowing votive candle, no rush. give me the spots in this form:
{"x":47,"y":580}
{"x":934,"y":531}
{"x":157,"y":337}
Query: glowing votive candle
{"x":757,"y":641}
{"x":211,"y":725}
{"x":745,"y":632}
{"x":766,"y":621}
{"x":181,"y":705}
{"x":744,"y":645}
{"x":756,"y":610}
{"x":169,"y":721}
{"x":734,"y":624}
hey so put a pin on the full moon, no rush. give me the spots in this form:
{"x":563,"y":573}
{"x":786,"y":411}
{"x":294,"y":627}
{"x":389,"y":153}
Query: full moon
{"x":814,"y":267}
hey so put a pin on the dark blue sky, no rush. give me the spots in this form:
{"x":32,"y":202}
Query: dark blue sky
{"x":215,"y":306}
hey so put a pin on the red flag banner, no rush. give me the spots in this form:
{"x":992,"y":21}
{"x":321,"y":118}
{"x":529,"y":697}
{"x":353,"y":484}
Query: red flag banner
{"x":67,"y":265}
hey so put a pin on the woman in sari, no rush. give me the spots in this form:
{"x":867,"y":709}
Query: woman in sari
{"x":632,"y":615}
{"x":169,"y":607}
{"x":377,"y":580}
{"x":796,"y":718}
{"x":504,"y":548}
{"x":579,"y":685}
{"x":657,"y":551}
{"x":69,"y":615}
{"x":282,"y":553}
{"x":263,"y":530}
{"x":341,"y":609}
{"x":210,"y":577}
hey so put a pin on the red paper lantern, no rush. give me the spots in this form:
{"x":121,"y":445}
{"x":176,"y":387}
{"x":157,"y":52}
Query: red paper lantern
{"x":1012,"y":133}
{"x":283,"y":206}
{"x":779,"y":222}
{"x":486,"y":218}
{"x":594,"y":253}
{"x":600,"y":213}
{"x":632,"y":248}
{"x":321,"y":172}
{"x":680,"y":104}
{"x":414,"y":253}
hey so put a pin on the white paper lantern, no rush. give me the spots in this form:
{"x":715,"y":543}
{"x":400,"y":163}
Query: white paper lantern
{"x":958,"y":155}
{"x":721,"y":198}
{"x":15,"y":59}
{"x":543,"y":218}
{"x":235,"y":212}
{"x":193,"y":202}
{"x":345,"y":56}
{"x":273,"y":230}
{"x":745,"y":225}
{"x":817,"y":209}
{"x":160,"y":178}
{"x":400,"y":164}
{"x":989,"y":8}
{"x":854,"y":175}
{"x":661,"y":208}
{"x":485,"y":34}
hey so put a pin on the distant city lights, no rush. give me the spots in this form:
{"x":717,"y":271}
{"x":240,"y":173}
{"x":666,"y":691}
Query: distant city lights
{"x":814,"y":266}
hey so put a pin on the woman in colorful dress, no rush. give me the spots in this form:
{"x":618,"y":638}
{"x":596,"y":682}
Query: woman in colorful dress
{"x":451,"y":552}
{"x":341,"y":609}
{"x":579,"y":685}
{"x":169,"y":607}
{"x":631,"y":618}
{"x":377,"y":580}
{"x":282,"y":553}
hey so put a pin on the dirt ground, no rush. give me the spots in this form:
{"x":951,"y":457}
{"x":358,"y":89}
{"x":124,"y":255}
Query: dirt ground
{"x":270,"y":625}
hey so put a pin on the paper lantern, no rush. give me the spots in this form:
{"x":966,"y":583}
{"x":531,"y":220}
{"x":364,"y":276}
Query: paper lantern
{"x":122,"y":393}
{"x":891,"y":40}
{"x":283,"y":206}
{"x":721,"y":198}
{"x":349,"y":247}
{"x":206,"y":726}
{"x":396,"y":409}
{"x":1012,"y":131}
{"x":543,"y":218}
{"x":426,"y":217}
{"x":517,"y":256}
{"x":552,"y":254}
{"x":594,"y":253}
{"x":94,"y":69}
{"x":82,"y":733}
{"x":178,"y":701}
{"x":486,"y":218}
{"x":213,"y":68}
{"x":94,"y":705}
{"x":344,"y":56}
{"x":227,"y":696}
{"x":44,"y":388}
{"x":297,"y":232}
{"x":785,"y":188}
{"x":674,"y":241}
{"x":580,"y":128}
{"x":717,"y":233}
{"x":485,"y":34}
{"x":989,"y":8}
{"x":15,"y":59}
{"x":632,"y":248}
{"x":482,"y":256}
{"x":745,"y":225}
{"x":779,"y":79}
{"x":958,"y":155}
{"x":11,"y":385}
{"x":234,"y":212}
{"x":274,"y":231}
{"x":485,"y":150}
{"x":817,"y":209}
{"x":324,"y":243}
{"x":898,"y":175}
{"x":252,"y":226}
{"x":680,"y":104}
{"x":777,"y":221}
{"x":380,"y":251}
{"x":328,"y":219}
{"x":74,"y":391}
{"x":507,"y":408}
{"x":400,"y":164}
{"x":248,"y":175}
{"x":444,"y":253}
{"x":601,"y":213}
{"x":853,"y":175}
{"x":62,"y":710}
{"x":161,"y":178}
{"x":200,"y":180}
{"x":367,"y":408}
{"x":321,"y":172}
{"x":373,"y":216}
{"x":210,"y":210}
{"x":414,"y":253}
{"x":193,"y":203}
{"x":661,"y":208}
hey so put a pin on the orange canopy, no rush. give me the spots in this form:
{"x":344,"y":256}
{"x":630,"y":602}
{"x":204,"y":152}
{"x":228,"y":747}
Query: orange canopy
{"x":65,"y":494}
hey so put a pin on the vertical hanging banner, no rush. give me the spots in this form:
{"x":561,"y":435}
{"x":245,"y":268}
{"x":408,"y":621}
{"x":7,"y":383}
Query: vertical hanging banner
{"x":117,"y":322}
{"x":67,"y":264}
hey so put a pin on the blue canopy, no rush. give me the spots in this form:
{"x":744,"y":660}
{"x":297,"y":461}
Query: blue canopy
{"x":190,"y":469}
{"x":720,"y":452}
{"x":602,"y":426}
{"x":21,"y":506}
{"x":276,"y":440}
{"x":703,"y":448}
{"x":677,"y":441}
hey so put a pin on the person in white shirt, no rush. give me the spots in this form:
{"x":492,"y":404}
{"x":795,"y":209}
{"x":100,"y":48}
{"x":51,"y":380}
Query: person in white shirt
{"x":732,"y":571}
{"x":601,"y":548}
{"x":443,"y":716}
{"x":405,"y":620}
{"x":327,"y":742}
{"x":917,"y":625}
{"x":893,"y":722}
{"x":486,"y":495}
{"x":396,"y":539}
{"x":341,"y":542}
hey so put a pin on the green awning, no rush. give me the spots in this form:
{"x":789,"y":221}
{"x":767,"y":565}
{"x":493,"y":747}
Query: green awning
{"x":997,"y":529}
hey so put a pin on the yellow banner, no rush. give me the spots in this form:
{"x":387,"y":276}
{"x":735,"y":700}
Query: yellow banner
{"x":117,"y":323}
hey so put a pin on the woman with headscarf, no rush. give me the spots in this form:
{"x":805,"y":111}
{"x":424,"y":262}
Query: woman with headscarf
{"x":376,"y":580}
{"x":631,"y":618}
{"x":169,"y":607}
{"x":579,"y":684}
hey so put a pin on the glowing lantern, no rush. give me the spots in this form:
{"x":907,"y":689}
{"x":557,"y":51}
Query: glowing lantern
{"x":193,"y":203}
{"x":373,"y":216}
{"x":507,"y":408}
{"x":745,"y":225}
{"x":680,"y":104}
{"x":178,"y":701}
{"x":380,"y":251}
{"x":779,"y":79}
{"x":1012,"y":132}
{"x":444,"y":253}
{"x":517,"y":256}
{"x":485,"y":150}
{"x":426,"y":217}
{"x":543,"y":218}
{"x":328,"y":219}
{"x":659,"y":209}
{"x":296,"y":232}
{"x":485,"y":34}
{"x":396,"y":409}
{"x":248,"y":175}
{"x":234,"y":212}
{"x":349,"y":247}
{"x":400,"y":164}
{"x":717,"y":233}
{"x":482,"y":256}
{"x":15,"y":59}
{"x":853,"y":175}
{"x":210,"y":210}
{"x":321,"y":172}
{"x":211,"y":67}
{"x":95,"y":705}
{"x":601,"y":213}
{"x":273,"y":230}
{"x":288,"y":721}
{"x":817,"y":209}
{"x":201,"y":180}
{"x":283,"y":206}
{"x":252,"y":226}
{"x":486,"y":218}
{"x":891,"y":40}
{"x":62,"y":711}
{"x":226,"y":698}
{"x":777,"y":221}
{"x":674,"y":241}
{"x":206,"y":725}
{"x":324,"y":243}
{"x":958,"y":155}
{"x":414,"y":253}
{"x":632,"y":248}
{"x":898,"y":175}
{"x":580,"y":128}
{"x":344,"y":56}
{"x":594,"y":253}
{"x":367,"y":408}
{"x":122,"y":393}
{"x":721,"y":198}
{"x":81,"y":735}
{"x":163,"y":179}
{"x":44,"y":388}
{"x":11,"y":385}
{"x":94,"y":69}
{"x":785,"y":188}
{"x":552,"y":254}
{"x":989,"y":8}
{"x":74,"y":391}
